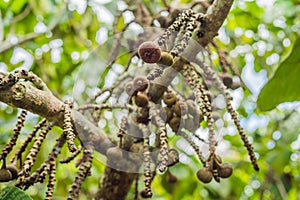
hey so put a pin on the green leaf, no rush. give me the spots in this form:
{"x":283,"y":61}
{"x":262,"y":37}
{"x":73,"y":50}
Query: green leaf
{"x":11,"y":192}
{"x":284,"y":85}
{"x":17,"y":6}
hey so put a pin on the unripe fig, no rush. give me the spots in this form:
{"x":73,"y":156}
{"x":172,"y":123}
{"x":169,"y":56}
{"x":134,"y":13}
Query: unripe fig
{"x":175,"y":123}
{"x":169,"y":98}
{"x":114,"y":153}
{"x":225,"y":170}
{"x":149,"y":52}
{"x":180,"y":108}
{"x":141,"y":100}
{"x":140,"y":83}
{"x":204,"y":175}
{"x":166,"y":59}
{"x":5,"y":175}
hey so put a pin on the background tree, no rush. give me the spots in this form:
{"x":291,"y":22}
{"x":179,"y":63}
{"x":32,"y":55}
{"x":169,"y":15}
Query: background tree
{"x":87,"y":52}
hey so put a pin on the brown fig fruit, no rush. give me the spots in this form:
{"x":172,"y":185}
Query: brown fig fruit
{"x":149,"y":52}
{"x":175,"y":123}
{"x":204,"y":175}
{"x":141,"y":100}
{"x":168,"y":113}
{"x":140,"y":83}
{"x":169,"y":98}
{"x":225,"y":170}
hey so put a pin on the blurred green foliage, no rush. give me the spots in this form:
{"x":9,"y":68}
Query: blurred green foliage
{"x":257,"y":35}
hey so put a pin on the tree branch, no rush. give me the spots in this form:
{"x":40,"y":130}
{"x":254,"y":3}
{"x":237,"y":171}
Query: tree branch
{"x":24,"y":95}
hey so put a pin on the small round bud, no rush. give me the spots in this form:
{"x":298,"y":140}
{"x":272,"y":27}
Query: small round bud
{"x":180,"y":108}
{"x":114,"y":153}
{"x":5,"y":175}
{"x":149,"y":52}
{"x":204,"y":175}
{"x":140,"y":83}
{"x":169,"y":98}
{"x":225,"y":170}
{"x":141,"y":100}
{"x":129,"y":88}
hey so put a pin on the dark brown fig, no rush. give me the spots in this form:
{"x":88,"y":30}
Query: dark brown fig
{"x":225,"y":170}
{"x":140,"y":83}
{"x":204,"y":175}
{"x":149,"y":52}
{"x":227,"y":79}
{"x":141,"y":100}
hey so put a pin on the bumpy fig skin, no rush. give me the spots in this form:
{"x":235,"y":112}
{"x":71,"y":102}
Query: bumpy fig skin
{"x":225,"y":170}
{"x":140,"y":83}
{"x":204,"y":175}
{"x":149,"y":52}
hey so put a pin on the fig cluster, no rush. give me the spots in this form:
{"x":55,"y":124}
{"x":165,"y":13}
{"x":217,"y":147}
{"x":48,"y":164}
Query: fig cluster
{"x":181,"y":114}
{"x":214,"y":169}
